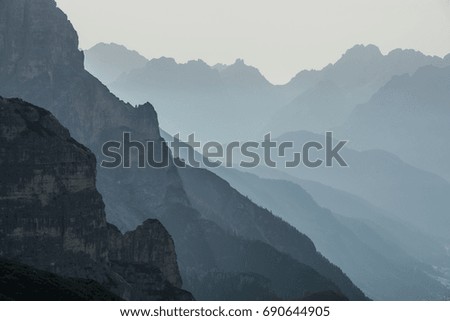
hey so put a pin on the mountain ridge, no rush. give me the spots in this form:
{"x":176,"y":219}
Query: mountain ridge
{"x":132,"y":196}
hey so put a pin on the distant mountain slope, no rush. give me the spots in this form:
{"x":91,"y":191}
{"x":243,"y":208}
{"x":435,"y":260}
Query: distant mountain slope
{"x":325,"y":98}
{"x":409,"y":117}
{"x":216,"y":200}
{"x":394,"y":231}
{"x":373,"y":258}
{"x":195,"y":97}
{"x":411,"y":194}
{"x":210,"y":252}
{"x":240,"y":76}
{"x":372,"y":245}
{"x":19,"y":282}
{"x":108,"y":61}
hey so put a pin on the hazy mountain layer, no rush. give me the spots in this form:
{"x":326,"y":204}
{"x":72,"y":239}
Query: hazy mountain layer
{"x":325,"y":98}
{"x":373,"y":258}
{"x":235,"y":102}
{"x":196,"y":98}
{"x":409,"y":116}
{"x":411,"y":194}
{"x":109,"y":61}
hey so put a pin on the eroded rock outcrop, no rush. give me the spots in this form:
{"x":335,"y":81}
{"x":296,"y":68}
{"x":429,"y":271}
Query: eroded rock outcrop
{"x":52,"y":216}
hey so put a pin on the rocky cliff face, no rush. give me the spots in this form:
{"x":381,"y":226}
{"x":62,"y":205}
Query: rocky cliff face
{"x":148,"y":244}
{"x":40,"y":62}
{"x":52,"y":216}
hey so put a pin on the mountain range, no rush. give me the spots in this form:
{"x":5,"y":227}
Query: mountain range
{"x":372,"y":211}
{"x":379,"y":177}
{"x":388,"y":258}
{"x":197,"y":98}
{"x":375,"y":258}
{"x":377,"y":228}
{"x":41,"y":63}
{"x":328,"y":96}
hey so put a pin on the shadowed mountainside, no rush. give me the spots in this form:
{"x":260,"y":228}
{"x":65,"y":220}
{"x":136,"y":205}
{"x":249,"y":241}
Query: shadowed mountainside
{"x":19,"y":282}
{"x":52,"y":216}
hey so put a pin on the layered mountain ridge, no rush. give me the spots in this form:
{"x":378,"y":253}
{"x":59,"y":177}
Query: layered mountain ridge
{"x":408,"y":116}
{"x":387,"y":220}
{"x":132,"y":196}
{"x":314,"y":100}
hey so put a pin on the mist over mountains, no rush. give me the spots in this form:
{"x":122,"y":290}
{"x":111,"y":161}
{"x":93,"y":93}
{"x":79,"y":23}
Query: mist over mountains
{"x":409,"y":116}
{"x":377,"y":229}
{"x":379,"y":250}
{"x":389,"y":207}
{"x":256,"y":262}
{"x":108,"y":62}
{"x":195,"y":97}
{"x":329,"y":95}
{"x":384,"y":266}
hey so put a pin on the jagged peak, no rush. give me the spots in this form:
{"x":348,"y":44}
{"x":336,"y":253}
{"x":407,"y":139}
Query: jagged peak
{"x":410,"y":53}
{"x":147,"y":110}
{"x":197,"y":62}
{"x":400,"y":51}
{"x":243,"y":73}
{"x":220,"y":67}
{"x":362,"y":51}
{"x":147,"y":106}
{"x":163,"y":61}
{"x":241,"y":67}
{"x":116,"y":46}
{"x":169,"y":61}
{"x":110,"y":44}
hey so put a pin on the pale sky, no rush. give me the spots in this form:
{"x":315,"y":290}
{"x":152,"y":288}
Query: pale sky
{"x":280,"y":37}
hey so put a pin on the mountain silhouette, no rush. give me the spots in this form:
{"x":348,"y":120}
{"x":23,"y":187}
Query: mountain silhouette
{"x":376,"y":259}
{"x":109,"y":61}
{"x":382,"y":179}
{"x":325,"y":98}
{"x":54,"y":77}
{"x":194,"y":97}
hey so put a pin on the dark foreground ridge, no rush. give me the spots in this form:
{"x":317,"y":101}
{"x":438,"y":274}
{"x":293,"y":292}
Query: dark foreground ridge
{"x":19,"y":282}
{"x":52,"y":216}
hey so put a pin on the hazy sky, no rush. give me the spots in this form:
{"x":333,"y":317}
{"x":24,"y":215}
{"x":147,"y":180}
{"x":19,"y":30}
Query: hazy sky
{"x":280,"y":37}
